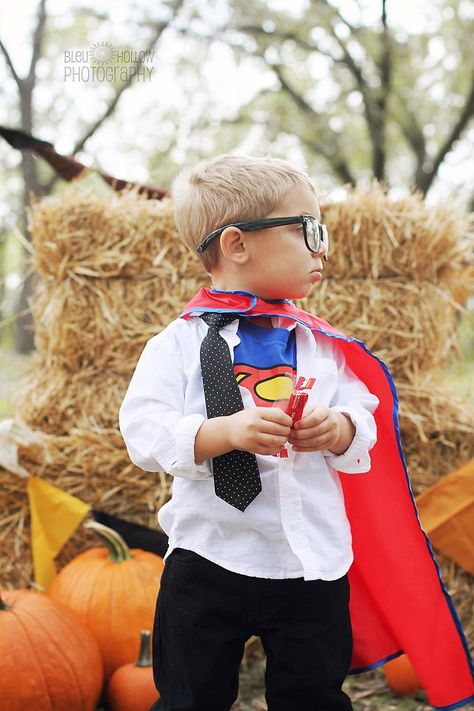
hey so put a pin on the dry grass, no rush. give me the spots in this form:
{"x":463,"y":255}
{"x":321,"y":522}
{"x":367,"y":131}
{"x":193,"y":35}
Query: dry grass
{"x":368,"y":691}
{"x":374,"y":237}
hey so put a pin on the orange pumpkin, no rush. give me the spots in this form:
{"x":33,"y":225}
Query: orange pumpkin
{"x":114,"y":590}
{"x":401,"y":676}
{"x":50,"y":660}
{"x":131,"y":687}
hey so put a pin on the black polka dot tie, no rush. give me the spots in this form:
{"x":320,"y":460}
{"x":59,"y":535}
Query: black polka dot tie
{"x":236,"y":475}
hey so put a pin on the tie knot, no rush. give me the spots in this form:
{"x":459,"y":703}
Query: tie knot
{"x":218,"y":320}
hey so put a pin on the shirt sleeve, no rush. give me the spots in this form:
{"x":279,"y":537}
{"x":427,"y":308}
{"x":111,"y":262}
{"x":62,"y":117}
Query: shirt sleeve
{"x":158,"y":436}
{"x":353,"y":398}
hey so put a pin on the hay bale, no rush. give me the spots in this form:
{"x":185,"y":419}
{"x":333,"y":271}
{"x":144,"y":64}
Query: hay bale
{"x":436,"y":429}
{"x":55,"y":400}
{"x":104,"y":323}
{"x":411,"y":327}
{"x":101,"y":236}
{"x":375,"y":237}
{"x":15,"y":553}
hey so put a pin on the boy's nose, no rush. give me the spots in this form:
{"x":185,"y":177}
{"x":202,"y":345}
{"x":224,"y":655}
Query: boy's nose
{"x":322,"y":251}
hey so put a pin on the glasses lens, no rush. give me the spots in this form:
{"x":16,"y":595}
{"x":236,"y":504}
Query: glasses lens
{"x":324,"y":237}
{"x":317,"y":235}
{"x":312,"y":233}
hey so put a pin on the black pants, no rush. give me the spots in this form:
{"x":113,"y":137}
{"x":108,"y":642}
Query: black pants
{"x":205,"y":614}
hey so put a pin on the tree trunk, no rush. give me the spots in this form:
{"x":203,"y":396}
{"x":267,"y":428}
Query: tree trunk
{"x":24,"y":332}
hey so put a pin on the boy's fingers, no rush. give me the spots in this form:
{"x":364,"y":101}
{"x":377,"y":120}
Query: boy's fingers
{"x":303,"y":434}
{"x":272,"y":440}
{"x":276,"y":431}
{"x":306,"y":442}
{"x":320,"y":442}
{"x":274,"y":414}
{"x":312,"y":420}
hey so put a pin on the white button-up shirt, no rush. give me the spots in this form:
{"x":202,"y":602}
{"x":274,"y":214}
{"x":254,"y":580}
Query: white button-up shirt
{"x":297,"y":526}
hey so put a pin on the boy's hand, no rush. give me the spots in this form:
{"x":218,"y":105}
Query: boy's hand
{"x":322,"y":428}
{"x":261,"y":430}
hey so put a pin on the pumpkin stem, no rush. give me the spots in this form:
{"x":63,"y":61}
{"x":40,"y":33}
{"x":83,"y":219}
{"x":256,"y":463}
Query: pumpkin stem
{"x":118,"y":549}
{"x":144,"y":655}
{"x":4,"y":606}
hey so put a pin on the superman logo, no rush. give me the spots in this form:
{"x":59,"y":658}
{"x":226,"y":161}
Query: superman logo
{"x":267,"y":385}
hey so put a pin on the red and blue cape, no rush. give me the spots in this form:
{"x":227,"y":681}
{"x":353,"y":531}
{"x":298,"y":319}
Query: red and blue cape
{"x":399,"y":603}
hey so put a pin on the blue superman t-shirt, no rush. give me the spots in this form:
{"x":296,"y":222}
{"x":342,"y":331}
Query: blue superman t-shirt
{"x":265,"y":362}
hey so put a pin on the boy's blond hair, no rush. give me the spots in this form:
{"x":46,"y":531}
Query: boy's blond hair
{"x":227,"y":189}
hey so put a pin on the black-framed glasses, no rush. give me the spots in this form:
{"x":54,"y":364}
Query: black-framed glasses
{"x":315,"y":233}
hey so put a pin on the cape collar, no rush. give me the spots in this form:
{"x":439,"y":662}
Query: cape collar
{"x":245,"y":303}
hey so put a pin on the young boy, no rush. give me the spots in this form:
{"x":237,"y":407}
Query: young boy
{"x":259,"y":522}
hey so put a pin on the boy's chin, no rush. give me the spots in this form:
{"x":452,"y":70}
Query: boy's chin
{"x":292,"y":292}
{"x":301,"y":293}
{"x":295,"y":294}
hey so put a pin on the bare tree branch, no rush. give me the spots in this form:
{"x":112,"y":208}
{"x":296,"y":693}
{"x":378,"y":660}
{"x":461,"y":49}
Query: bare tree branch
{"x":335,"y":10}
{"x":297,"y":98}
{"x":18,"y":80}
{"x":278,"y":34}
{"x":375,"y":115}
{"x":333,"y":157}
{"x":465,"y":116}
{"x":349,"y":60}
{"x":37,"y":40}
{"x":415,"y":138}
{"x":352,"y":65}
{"x":332,"y":153}
{"x":374,"y":104}
{"x":378,"y":130}
{"x":346,"y":58}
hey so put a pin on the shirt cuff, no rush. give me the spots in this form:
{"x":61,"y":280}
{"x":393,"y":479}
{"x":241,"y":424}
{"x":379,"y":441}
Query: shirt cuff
{"x":182,"y":462}
{"x":356,"y":459}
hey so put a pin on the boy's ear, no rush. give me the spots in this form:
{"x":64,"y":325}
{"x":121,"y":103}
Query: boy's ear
{"x":233,"y":247}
